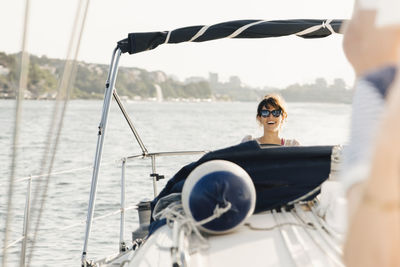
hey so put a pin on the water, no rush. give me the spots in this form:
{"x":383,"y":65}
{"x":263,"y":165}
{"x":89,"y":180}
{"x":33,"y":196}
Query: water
{"x":163,"y":126}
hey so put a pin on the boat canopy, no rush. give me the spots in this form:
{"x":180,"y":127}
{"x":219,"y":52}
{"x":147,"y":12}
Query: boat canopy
{"x":305,"y":28}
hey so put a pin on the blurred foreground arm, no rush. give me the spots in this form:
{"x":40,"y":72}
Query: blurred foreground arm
{"x":374,"y":229}
{"x":366,"y":46}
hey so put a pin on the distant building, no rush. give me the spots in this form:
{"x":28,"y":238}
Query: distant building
{"x":234,"y":81}
{"x":213,"y":78}
{"x":194,"y":79}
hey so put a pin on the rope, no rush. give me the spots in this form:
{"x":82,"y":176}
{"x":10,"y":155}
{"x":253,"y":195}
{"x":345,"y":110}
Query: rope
{"x":22,"y":85}
{"x":199,"y":33}
{"x":97,"y":218}
{"x":325,"y":24}
{"x":174,"y":213}
{"x":243,"y":28}
{"x":63,"y":91}
{"x":76,"y":224}
{"x":15,"y":242}
{"x":216,"y":214}
{"x":309,"y":226}
{"x":22,"y":179}
{"x":167,"y":38}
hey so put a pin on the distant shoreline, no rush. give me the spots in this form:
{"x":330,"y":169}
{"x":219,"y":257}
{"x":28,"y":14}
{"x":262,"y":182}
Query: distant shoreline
{"x":177,"y":101}
{"x":136,"y":84}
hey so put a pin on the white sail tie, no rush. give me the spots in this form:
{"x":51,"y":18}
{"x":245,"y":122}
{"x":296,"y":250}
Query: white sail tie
{"x":199,"y":33}
{"x":243,"y":28}
{"x":325,"y":24}
{"x":167,"y":38}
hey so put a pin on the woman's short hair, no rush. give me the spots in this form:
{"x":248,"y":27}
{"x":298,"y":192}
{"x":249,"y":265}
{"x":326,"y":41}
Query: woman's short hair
{"x":272,"y":101}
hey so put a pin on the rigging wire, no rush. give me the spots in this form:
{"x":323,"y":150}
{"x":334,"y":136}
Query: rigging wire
{"x":23,"y":179}
{"x":24,"y":65}
{"x":62,"y":94}
{"x":31,"y":177}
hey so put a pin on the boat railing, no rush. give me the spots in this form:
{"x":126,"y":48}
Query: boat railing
{"x":123,"y":208}
{"x":28,"y":180}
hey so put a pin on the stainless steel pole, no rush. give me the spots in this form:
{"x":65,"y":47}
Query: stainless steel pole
{"x":153,"y":167}
{"x":122,"y":246}
{"x":113,"y":71}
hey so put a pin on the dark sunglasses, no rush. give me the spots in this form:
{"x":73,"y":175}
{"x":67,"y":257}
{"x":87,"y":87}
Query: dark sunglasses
{"x":265,"y":113}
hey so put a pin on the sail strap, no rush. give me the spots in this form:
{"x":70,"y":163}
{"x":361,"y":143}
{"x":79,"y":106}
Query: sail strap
{"x":200,"y":33}
{"x":243,"y":28}
{"x":325,"y":25}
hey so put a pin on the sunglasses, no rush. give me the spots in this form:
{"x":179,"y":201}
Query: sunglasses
{"x":265,"y":113}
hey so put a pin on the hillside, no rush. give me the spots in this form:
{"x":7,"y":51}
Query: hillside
{"x":140,"y":84}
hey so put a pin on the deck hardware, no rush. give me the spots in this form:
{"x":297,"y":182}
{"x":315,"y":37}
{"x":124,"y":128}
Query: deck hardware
{"x":158,"y":176}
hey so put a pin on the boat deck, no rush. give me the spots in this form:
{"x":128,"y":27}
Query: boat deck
{"x":287,"y":238}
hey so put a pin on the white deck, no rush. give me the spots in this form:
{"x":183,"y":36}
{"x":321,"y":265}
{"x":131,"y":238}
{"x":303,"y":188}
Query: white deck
{"x":295,"y":238}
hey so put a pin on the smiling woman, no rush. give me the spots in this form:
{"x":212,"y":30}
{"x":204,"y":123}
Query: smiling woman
{"x":271,"y":114}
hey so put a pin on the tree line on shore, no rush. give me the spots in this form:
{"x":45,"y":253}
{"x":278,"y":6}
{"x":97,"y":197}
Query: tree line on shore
{"x":140,"y":84}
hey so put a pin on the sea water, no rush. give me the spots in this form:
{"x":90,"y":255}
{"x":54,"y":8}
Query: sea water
{"x":162,"y":126}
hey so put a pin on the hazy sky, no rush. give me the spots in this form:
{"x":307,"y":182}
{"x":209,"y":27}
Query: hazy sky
{"x":262,"y":62}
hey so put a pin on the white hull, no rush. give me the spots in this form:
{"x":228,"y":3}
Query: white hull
{"x":295,"y":238}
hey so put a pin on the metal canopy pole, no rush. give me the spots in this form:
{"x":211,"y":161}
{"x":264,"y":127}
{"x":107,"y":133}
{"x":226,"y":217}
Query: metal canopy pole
{"x":112,"y":75}
{"x":135,"y":133}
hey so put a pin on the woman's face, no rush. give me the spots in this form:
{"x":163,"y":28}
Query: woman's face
{"x":272,"y":120}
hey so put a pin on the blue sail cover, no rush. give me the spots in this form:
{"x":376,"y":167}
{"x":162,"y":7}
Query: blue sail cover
{"x":280,"y":174}
{"x":305,"y":28}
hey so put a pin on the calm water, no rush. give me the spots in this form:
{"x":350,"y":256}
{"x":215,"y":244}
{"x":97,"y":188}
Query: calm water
{"x":162,"y":127}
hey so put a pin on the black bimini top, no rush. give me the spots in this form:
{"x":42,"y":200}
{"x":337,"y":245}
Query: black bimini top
{"x":305,"y":28}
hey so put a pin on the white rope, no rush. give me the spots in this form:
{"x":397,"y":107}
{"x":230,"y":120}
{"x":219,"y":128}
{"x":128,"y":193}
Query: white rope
{"x":53,"y":173}
{"x":57,"y":172}
{"x":243,"y":28}
{"x":76,"y":224}
{"x":199,"y":33}
{"x":325,"y":24}
{"x":167,"y":38}
{"x":216,"y":214}
{"x":15,"y":242}
{"x":232,"y":35}
{"x":174,"y":214}
{"x":279,"y":225}
{"x":99,"y":217}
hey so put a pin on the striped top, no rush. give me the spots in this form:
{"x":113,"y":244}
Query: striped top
{"x":367,"y":110}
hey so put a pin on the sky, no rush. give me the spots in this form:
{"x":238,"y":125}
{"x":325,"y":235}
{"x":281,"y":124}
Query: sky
{"x":276,"y":62}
